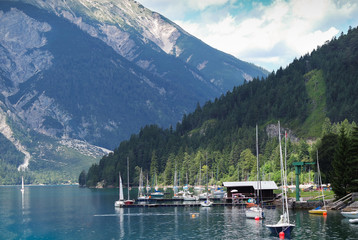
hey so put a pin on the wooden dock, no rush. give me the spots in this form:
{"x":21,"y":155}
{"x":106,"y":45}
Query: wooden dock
{"x":187,"y":204}
{"x":151,"y":204}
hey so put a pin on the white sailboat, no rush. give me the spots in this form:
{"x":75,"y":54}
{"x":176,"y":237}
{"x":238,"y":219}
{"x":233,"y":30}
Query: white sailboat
{"x":283,"y":224}
{"x":120,"y":202}
{"x":22,"y":184}
{"x":157,"y":194}
{"x":128,"y":201}
{"x":256,"y":212}
{"x":141,"y":195}
{"x":319,"y":210}
{"x":177,"y":194}
{"x":207,"y":202}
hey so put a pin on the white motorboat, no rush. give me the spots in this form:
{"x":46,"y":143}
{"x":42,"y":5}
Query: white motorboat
{"x":188,"y":196}
{"x":352,"y":215}
{"x":255,"y":213}
{"x":353,"y":220}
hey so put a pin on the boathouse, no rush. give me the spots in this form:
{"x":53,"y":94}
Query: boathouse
{"x":248,"y":189}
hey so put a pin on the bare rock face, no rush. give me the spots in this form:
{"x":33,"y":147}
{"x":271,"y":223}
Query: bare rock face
{"x":21,"y":40}
{"x":272,"y":132}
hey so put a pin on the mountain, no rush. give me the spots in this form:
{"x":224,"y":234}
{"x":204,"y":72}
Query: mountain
{"x":313,"y":97}
{"x":91,"y":73}
{"x":100,"y":70}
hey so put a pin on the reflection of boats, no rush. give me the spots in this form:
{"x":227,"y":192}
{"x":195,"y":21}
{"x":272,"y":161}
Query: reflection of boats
{"x":353,"y":214}
{"x":128,"y":201}
{"x":256,"y":212}
{"x":284,"y":224}
{"x":22,"y":184}
{"x":120,"y":202}
{"x":319,"y":210}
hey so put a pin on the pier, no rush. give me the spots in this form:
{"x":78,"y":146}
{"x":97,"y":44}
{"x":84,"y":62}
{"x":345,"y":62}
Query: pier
{"x":176,"y":203}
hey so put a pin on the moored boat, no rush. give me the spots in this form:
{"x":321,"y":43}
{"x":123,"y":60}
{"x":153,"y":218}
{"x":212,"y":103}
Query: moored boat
{"x":120,"y":202}
{"x":353,"y":220}
{"x":128,"y":201}
{"x":319,"y":210}
{"x":353,"y":214}
{"x":256,"y":212}
{"x":283,"y":226}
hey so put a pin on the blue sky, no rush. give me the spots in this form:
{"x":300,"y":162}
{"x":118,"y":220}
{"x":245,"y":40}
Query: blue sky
{"x":268,"y":33}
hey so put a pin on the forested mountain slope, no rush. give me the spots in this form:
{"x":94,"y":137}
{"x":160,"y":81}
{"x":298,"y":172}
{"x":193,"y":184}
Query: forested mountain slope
{"x":304,"y":96}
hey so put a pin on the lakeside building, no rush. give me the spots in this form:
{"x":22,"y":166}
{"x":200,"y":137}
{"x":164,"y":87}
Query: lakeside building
{"x":248,"y":189}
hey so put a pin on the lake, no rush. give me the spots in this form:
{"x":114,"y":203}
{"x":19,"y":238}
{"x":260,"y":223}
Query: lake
{"x":70,"y":212}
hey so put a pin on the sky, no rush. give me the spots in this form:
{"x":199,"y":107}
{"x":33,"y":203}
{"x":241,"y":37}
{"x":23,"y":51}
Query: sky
{"x":268,"y":33}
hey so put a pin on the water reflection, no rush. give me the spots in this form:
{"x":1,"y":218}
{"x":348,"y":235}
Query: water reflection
{"x":120,"y":215}
{"x":73,"y":213}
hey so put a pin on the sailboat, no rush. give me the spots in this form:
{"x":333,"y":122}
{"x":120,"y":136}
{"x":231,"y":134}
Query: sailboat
{"x":128,"y":201}
{"x":284,"y":224}
{"x":22,"y":184}
{"x":177,"y":194}
{"x":148,"y":188}
{"x":157,"y":194}
{"x":256,"y":212}
{"x":120,"y":202}
{"x":207,"y":202}
{"x":319,"y":210}
{"x":141,"y":195}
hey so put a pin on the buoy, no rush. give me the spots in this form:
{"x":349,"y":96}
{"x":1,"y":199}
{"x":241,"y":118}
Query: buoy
{"x":281,"y":235}
{"x":324,"y":213}
{"x":257,"y":218}
{"x":193,"y":216}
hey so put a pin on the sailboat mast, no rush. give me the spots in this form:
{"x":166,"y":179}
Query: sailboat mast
{"x":207,"y":178}
{"x":128,"y":176}
{"x":257,"y":165}
{"x":320,"y":181}
{"x":283,"y":183}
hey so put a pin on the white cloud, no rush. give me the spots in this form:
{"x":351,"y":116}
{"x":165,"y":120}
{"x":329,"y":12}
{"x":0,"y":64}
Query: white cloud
{"x":268,"y":35}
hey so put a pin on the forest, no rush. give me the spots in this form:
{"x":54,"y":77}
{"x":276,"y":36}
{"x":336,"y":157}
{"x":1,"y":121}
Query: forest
{"x":314,"y":98}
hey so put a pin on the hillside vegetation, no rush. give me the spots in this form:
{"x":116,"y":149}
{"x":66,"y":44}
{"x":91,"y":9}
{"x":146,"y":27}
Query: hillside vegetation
{"x":307,"y":96}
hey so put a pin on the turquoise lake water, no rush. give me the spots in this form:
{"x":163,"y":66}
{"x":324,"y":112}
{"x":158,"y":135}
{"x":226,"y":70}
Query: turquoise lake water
{"x":69,"y":212}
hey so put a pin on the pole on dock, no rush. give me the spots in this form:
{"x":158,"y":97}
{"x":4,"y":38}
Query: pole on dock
{"x":298,"y":166}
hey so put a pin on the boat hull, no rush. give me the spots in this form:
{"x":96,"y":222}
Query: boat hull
{"x":317,"y":211}
{"x":350,"y":214}
{"x":157,"y":195}
{"x":206,"y":204}
{"x":277,"y":228}
{"x":354,"y":220}
{"x":254,"y":213}
{"x":119,"y":204}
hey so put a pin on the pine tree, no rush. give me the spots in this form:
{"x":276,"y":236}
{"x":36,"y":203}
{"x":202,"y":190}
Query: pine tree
{"x":353,"y":161}
{"x":340,"y":164}
{"x":82,"y":179}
